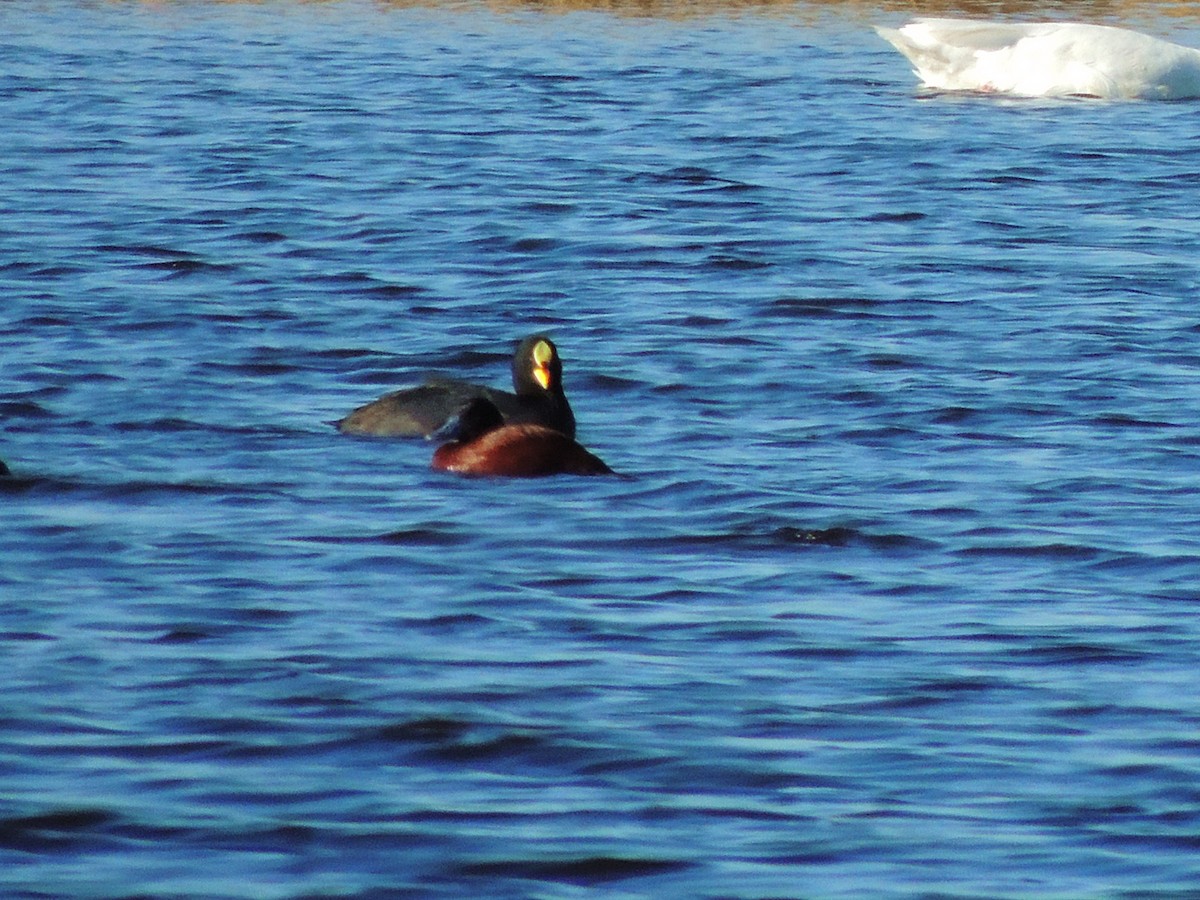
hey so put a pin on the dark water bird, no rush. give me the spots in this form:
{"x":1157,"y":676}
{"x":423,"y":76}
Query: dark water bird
{"x":420,"y":411}
{"x":481,"y":443}
{"x":4,"y":470}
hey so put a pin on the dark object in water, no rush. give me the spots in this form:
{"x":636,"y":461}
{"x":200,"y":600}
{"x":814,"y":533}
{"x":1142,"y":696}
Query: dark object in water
{"x":480,"y":443}
{"x":421,"y":410}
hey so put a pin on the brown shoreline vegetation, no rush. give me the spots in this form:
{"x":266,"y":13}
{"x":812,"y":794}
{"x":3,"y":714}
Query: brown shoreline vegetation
{"x":1114,"y":12}
{"x":1103,"y":11}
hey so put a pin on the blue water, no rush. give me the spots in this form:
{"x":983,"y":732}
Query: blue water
{"x":899,"y":595}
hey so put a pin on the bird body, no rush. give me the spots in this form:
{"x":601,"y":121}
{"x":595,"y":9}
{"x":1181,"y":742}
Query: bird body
{"x":480,"y":443}
{"x":421,"y":410}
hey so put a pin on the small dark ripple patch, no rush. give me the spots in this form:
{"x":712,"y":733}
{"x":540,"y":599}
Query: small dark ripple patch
{"x":505,"y":244}
{"x":859,"y":397}
{"x":143,"y":488}
{"x":349,"y":278}
{"x":902,"y":703}
{"x":43,"y":321}
{"x":511,"y":746}
{"x":609,"y":382}
{"x":685,"y":175}
{"x":1073,"y":654}
{"x":429,"y":730}
{"x":152,"y":251}
{"x":788,"y":536}
{"x":534,"y":245}
{"x":408,"y":537}
{"x":47,"y":273}
{"x":98,"y":378}
{"x":1152,"y":842}
{"x":48,"y":486}
{"x":672,"y":387}
{"x":459,"y":816}
{"x":737,"y":263}
{"x":380,"y":893}
{"x":826,"y":308}
{"x":449,"y":623}
{"x":1079,"y":815}
{"x":25,"y":636}
{"x":843,"y":307}
{"x":262,"y":237}
{"x":468,"y":358}
{"x":421,"y":537}
{"x":394,"y":291}
{"x":263,"y":613}
{"x":14,"y":484}
{"x":52,"y":831}
{"x":167,"y":425}
{"x":323,"y":704}
{"x":841,"y":536}
{"x":882,"y":435}
{"x":259,"y":369}
{"x":1137,"y":770}
{"x":547,"y":207}
{"x":1087,"y":711}
{"x":1035,"y":551}
{"x":180,"y":268}
{"x":826,"y":537}
{"x":23,"y":409}
{"x":21,"y":268}
{"x":946,"y":512}
{"x":954,"y":415}
{"x":182,"y":636}
{"x":589,"y":870}
{"x":892,"y":361}
{"x":446,"y":741}
{"x":895,"y":218}
{"x":818,"y":653}
{"x":1119,"y":420}
{"x":697,"y":320}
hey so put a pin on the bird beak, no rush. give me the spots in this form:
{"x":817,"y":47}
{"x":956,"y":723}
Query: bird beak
{"x":542,"y":357}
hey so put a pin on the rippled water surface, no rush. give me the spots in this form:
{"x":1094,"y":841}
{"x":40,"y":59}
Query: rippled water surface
{"x":898,"y":594}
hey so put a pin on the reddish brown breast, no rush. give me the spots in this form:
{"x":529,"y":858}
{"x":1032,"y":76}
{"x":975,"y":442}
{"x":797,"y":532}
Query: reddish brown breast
{"x":518,"y":451}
